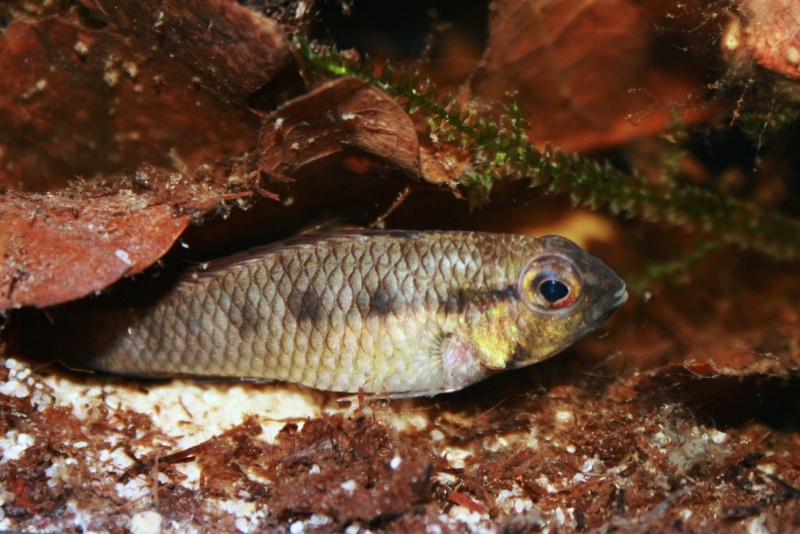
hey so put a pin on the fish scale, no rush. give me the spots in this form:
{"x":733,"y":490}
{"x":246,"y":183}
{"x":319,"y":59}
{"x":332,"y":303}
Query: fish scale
{"x":386,"y":312}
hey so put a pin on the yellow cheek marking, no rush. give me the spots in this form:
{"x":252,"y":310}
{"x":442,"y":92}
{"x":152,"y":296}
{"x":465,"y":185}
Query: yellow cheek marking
{"x":495,"y":336}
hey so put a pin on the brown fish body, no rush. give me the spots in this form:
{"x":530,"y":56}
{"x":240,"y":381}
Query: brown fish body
{"x":410,"y":313}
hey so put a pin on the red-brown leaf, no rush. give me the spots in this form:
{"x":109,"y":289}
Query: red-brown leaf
{"x":344,"y":114}
{"x":81,"y":102}
{"x":233,"y":48}
{"x":582,"y":69}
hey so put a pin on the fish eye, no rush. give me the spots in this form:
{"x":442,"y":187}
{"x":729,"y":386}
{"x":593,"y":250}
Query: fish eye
{"x":553,"y":290}
{"x":550,"y":283}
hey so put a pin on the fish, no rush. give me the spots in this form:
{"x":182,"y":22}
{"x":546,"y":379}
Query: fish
{"x":385,"y":312}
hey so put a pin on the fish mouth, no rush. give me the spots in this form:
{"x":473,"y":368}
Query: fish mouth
{"x":605,"y":307}
{"x":620,"y":297}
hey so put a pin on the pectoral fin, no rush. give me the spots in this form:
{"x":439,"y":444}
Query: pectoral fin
{"x":461,"y":361}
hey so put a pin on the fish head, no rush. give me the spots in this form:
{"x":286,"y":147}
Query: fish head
{"x":563,"y":293}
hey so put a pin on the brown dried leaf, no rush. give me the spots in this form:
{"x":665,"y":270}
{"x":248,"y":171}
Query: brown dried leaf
{"x":580,"y":68}
{"x":65,"y":245}
{"x":441,"y":163}
{"x":232,"y":47}
{"x":57,"y":247}
{"x":78,"y":102}
{"x":345,"y":113}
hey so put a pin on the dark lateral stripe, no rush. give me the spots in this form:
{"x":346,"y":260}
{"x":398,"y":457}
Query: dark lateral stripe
{"x":251,"y":320}
{"x":458,"y":300}
{"x":374,"y":303}
{"x":380,"y":302}
{"x":509,"y":292}
{"x":305,"y":305}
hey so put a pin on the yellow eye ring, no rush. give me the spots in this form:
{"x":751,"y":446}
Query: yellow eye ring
{"x":550,"y":284}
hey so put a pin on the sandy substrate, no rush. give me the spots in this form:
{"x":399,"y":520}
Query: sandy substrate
{"x":522,"y":451}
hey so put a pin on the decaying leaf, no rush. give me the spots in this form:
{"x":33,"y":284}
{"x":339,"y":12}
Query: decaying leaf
{"x":441,"y":163}
{"x":344,"y":114}
{"x":65,"y":245}
{"x":350,"y":114}
{"x":85,"y":102}
{"x":61,"y":247}
{"x":580,"y":68}
{"x":233,"y":48}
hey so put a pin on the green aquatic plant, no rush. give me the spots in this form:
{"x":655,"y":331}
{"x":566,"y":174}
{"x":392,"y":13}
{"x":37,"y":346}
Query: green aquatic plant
{"x":500,"y":149}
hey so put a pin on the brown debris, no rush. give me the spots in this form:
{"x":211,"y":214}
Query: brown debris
{"x":42,"y":485}
{"x":365,"y":471}
{"x":605,"y":464}
{"x":462,"y":500}
{"x":22,"y":10}
{"x":353,"y":478}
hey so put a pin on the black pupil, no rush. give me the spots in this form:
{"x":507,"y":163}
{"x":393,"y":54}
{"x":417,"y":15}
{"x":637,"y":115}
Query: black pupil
{"x":553,"y":290}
